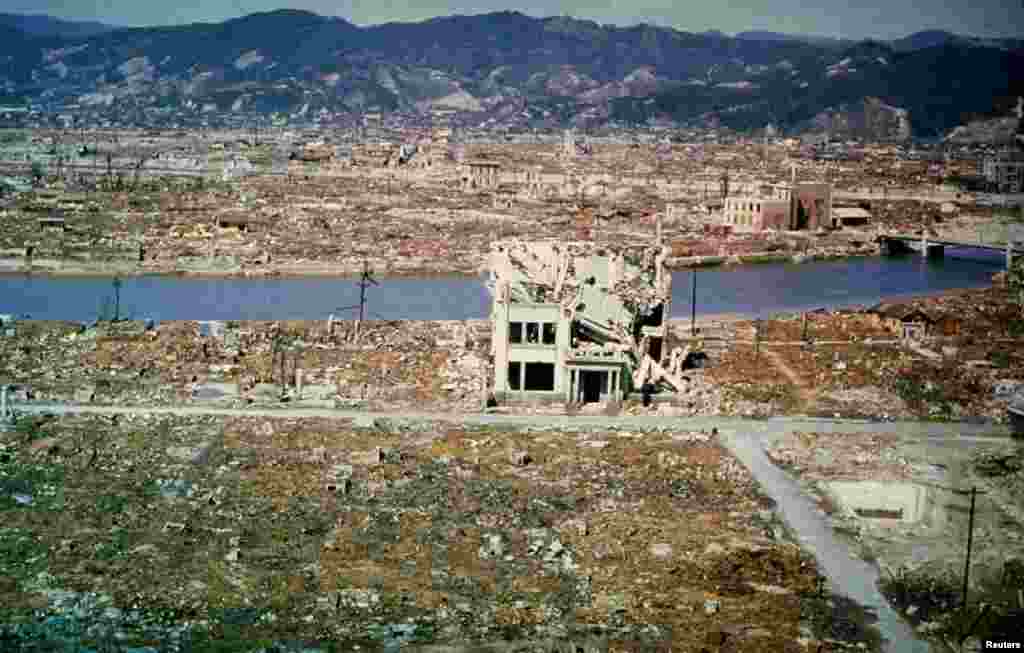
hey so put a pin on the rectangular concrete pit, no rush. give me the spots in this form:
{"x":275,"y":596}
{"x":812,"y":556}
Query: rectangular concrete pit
{"x":897,"y":502}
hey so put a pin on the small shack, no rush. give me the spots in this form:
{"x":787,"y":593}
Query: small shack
{"x":909,"y":322}
{"x":849,"y":217}
{"x":241,"y":222}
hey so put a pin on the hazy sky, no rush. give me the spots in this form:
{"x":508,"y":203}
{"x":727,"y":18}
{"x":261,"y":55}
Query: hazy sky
{"x":866,"y":18}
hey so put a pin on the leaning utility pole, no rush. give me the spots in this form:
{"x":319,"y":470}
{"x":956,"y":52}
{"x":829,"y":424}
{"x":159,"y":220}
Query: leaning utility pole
{"x":365,"y":281}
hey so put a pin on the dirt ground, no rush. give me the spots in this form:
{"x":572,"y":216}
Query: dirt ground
{"x":151,"y":529}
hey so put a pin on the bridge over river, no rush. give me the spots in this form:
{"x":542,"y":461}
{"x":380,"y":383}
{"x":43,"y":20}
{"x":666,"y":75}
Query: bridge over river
{"x":935,"y":247}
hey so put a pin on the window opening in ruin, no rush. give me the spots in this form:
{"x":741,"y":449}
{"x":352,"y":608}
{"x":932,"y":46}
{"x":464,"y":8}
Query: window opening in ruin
{"x":549,"y":333}
{"x":540,"y":377}
{"x":513,"y":376}
{"x":515,"y":332}
{"x":802,"y":219}
{"x":654,"y":349}
{"x":532,"y":333}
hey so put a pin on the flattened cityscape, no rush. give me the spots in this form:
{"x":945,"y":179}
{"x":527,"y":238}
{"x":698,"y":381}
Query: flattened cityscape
{"x":599,"y":464}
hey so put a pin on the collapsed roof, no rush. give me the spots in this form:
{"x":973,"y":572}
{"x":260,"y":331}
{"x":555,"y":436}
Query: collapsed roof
{"x":611,"y":294}
{"x":601,"y":284}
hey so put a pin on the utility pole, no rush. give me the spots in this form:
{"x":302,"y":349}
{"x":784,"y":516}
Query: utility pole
{"x":117,"y":298}
{"x":365,"y":281}
{"x":693,"y":304}
{"x":970,"y":540}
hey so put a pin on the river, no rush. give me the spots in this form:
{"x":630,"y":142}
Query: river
{"x":750,"y":290}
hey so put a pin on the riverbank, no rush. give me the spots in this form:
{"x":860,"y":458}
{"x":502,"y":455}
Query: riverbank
{"x":766,"y":258}
{"x":344,"y":272}
{"x":226,"y":267}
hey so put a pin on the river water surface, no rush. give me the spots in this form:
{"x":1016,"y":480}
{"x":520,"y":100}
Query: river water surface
{"x":751,"y":290}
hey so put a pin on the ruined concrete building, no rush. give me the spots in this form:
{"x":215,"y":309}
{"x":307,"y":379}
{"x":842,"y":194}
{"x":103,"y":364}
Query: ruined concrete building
{"x":781,"y":207}
{"x":480,"y":175}
{"x":576,"y":322}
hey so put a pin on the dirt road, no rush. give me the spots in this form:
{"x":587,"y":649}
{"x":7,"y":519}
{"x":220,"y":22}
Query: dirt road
{"x":951,"y":430}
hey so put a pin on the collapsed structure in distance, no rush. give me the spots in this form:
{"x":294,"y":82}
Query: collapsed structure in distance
{"x":577,"y":322}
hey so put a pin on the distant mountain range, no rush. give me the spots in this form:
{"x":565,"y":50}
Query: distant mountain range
{"x":43,"y":25}
{"x":915,"y":41}
{"x":515,"y":70}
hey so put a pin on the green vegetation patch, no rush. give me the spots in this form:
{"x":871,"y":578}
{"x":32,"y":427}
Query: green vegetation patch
{"x":22,"y":554}
{"x":31,"y":485}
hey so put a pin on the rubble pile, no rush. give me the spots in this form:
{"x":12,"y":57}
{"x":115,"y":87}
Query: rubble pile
{"x":185,"y":530}
{"x":387,"y":364}
{"x":44,"y":356}
{"x":965,"y":362}
{"x":816,"y":325}
{"x":426,"y":214}
{"x":946,"y":389}
{"x":828,"y":456}
{"x":750,"y":385}
{"x":697,"y":397}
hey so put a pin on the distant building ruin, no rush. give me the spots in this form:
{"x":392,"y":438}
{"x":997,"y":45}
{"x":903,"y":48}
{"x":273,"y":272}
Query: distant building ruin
{"x":576,"y":322}
{"x":789,"y":206}
{"x":1004,"y":173}
{"x":479,"y":175}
